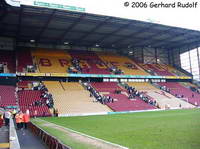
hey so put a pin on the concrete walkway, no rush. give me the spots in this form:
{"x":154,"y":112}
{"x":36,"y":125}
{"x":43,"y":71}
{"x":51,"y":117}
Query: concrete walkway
{"x":28,"y":141}
{"x":4,"y":138}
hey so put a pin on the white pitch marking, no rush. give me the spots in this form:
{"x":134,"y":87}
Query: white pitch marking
{"x":87,"y":135}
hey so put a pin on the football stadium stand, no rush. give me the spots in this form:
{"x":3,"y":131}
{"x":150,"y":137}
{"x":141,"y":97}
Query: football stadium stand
{"x":55,"y":58}
{"x":163,"y":99}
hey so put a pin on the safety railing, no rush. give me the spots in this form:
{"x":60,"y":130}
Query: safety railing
{"x":50,"y":141}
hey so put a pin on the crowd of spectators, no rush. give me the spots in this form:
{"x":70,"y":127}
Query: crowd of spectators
{"x":75,"y":68}
{"x":115,"y":70}
{"x":3,"y":67}
{"x":97,"y":96}
{"x":45,"y":98}
{"x":130,"y":66}
{"x":164,"y":88}
{"x":135,"y":93}
{"x":31,"y":68}
{"x":21,"y":119}
{"x":195,"y":89}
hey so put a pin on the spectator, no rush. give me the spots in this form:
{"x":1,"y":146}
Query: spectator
{"x":14,"y":113}
{"x":112,"y":100}
{"x":180,"y":105}
{"x":56,"y":112}
{"x":18,"y":120}
{"x":35,"y":114}
{"x":1,"y":120}
{"x":7,"y":116}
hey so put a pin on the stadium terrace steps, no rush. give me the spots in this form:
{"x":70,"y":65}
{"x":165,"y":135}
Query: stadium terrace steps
{"x":72,"y":86}
{"x":8,"y":57}
{"x":73,"y":99}
{"x":90,"y":62}
{"x":162,"y":98}
{"x":121,"y":62}
{"x":121,"y":103}
{"x":178,"y":89}
{"x":24,"y":58}
{"x":141,"y":86}
{"x":7,"y":96}
{"x":26,"y":100}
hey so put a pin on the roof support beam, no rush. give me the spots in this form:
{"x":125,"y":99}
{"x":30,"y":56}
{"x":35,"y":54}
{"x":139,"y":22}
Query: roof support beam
{"x":19,"y":22}
{"x":151,"y":36}
{"x":63,"y":18}
{"x":174,"y":43}
{"x":114,"y":32}
{"x":45,"y":26}
{"x":179,"y":35}
{"x":196,"y":43}
{"x":95,"y":28}
{"x":168,"y":39}
{"x":3,"y":13}
{"x":61,"y":38}
{"x":143,"y":45}
{"x":133,"y":34}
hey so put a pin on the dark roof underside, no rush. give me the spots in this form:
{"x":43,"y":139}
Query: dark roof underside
{"x":56,"y":27}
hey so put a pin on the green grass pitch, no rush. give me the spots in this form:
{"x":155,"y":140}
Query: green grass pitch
{"x":174,"y":129}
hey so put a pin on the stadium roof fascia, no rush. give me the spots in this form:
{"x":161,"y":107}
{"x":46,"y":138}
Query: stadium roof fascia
{"x":58,"y":26}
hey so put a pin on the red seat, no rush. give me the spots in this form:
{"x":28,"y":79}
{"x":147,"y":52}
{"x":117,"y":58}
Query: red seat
{"x":7,"y":96}
{"x":28,"y":97}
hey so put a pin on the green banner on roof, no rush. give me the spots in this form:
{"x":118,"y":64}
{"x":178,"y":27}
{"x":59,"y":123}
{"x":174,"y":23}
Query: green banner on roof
{"x":53,"y":5}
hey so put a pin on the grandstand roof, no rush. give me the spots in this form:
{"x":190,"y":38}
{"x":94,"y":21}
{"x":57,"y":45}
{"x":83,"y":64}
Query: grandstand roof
{"x":57,"y":26}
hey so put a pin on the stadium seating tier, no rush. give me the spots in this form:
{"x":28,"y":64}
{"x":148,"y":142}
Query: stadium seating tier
{"x":71,"y":98}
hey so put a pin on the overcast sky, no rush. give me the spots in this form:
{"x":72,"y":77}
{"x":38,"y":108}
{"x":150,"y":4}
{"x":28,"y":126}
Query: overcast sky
{"x":180,"y":17}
